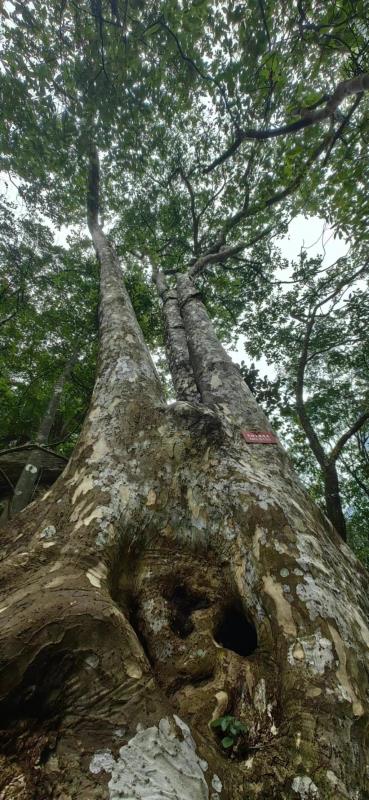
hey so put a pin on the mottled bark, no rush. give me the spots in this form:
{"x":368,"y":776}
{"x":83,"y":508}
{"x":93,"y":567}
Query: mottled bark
{"x":173,"y":575}
{"x":176,"y":342}
{"x":28,"y":479}
{"x":218,"y":378}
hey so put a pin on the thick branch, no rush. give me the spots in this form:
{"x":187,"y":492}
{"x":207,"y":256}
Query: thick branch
{"x":227,"y":252}
{"x":356,"y":85}
{"x":93,"y":188}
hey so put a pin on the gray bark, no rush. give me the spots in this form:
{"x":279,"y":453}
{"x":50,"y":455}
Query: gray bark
{"x":176,"y":342}
{"x":218,"y":378}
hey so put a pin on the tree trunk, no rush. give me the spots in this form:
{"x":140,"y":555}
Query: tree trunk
{"x":332,"y":497}
{"x":176,"y":342}
{"x":172,"y":576}
{"x":28,"y":478}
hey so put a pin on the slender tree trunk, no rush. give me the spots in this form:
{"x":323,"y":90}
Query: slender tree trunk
{"x":173,"y":575}
{"x":176,"y":342}
{"x":326,"y":463}
{"x":28,"y":478}
{"x":332,"y":496}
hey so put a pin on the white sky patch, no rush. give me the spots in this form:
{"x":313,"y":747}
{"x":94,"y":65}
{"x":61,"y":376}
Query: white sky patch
{"x":314,"y":235}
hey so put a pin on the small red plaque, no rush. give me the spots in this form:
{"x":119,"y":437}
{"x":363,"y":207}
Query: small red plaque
{"x":259,"y":437}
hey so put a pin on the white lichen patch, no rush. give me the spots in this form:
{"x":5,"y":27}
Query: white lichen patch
{"x":31,"y":468}
{"x":97,"y":574}
{"x":156,"y":763}
{"x":92,"y":661}
{"x":305,"y":787}
{"x":48,"y":532}
{"x":103,"y":761}
{"x":310,"y":554}
{"x":315,"y":650}
{"x":155,"y":614}
{"x":215,"y":381}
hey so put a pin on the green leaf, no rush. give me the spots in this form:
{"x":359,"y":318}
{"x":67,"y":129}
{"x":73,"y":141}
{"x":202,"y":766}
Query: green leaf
{"x":216,"y":723}
{"x":228,"y":741}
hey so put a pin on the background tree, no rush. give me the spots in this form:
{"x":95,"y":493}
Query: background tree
{"x":320,"y":353}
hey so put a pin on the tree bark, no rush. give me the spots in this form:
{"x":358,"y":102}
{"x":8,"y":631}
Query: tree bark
{"x":176,"y":342}
{"x":332,"y":497}
{"x":173,"y":575}
{"x":28,"y":478}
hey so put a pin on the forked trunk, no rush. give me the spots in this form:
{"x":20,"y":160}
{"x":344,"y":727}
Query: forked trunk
{"x":175,"y":575}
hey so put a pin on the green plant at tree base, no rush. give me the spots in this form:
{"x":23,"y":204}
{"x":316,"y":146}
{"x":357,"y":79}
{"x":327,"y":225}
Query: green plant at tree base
{"x":232,"y":727}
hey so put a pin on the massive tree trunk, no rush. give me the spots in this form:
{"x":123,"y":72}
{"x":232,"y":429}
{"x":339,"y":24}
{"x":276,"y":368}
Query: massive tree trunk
{"x":173,"y":575}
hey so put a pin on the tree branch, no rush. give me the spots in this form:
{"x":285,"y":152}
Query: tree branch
{"x":337,"y":449}
{"x":93,"y":193}
{"x":195,"y":217}
{"x":222,"y":255}
{"x":341,"y":127}
{"x":309,"y":116}
{"x":4,"y":320}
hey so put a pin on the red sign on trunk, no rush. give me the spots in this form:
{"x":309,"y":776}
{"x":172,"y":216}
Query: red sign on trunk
{"x":259,"y":437}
